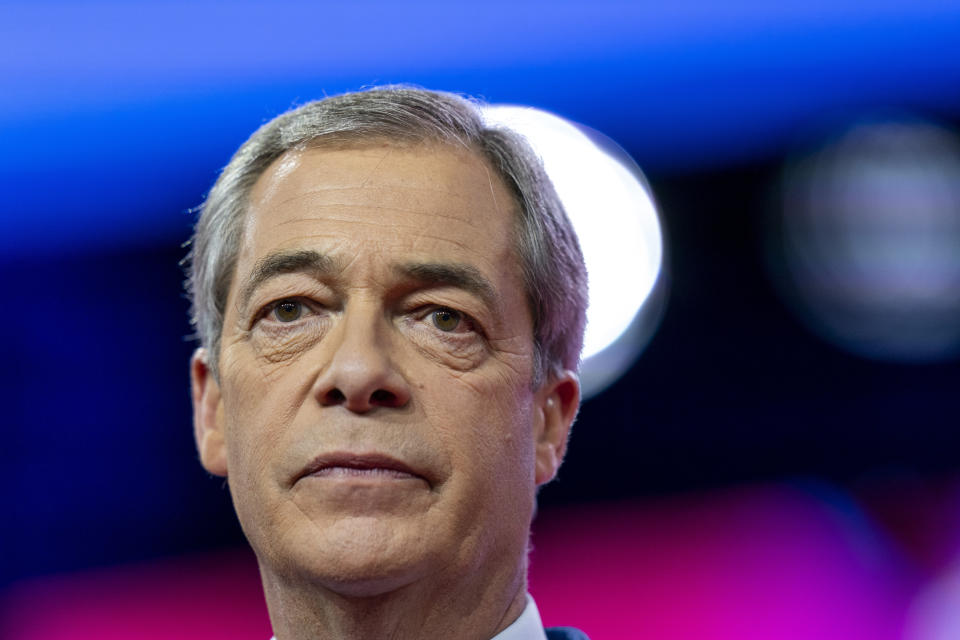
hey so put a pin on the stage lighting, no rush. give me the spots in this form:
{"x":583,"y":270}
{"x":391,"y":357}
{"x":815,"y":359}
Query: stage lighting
{"x":867,"y":244}
{"x":611,"y":207}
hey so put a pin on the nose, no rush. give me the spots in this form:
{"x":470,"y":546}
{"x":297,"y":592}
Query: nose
{"x":361,"y":374}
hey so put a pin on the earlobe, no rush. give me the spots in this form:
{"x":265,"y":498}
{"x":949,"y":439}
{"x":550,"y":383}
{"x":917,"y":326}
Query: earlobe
{"x":557,"y":404}
{"x":207,"y":415}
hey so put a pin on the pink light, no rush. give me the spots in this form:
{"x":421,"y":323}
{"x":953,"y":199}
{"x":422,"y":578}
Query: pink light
{"x":215,"y":596}
{"x":766,"y":563}
{"x":758,"y":564}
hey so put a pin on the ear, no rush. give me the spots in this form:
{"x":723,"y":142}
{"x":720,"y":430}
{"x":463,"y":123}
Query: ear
{"x":207,"y":415}
{"x":557,"y":403}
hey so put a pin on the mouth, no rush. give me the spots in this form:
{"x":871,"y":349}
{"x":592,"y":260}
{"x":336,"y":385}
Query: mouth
{"x":371,"y":466}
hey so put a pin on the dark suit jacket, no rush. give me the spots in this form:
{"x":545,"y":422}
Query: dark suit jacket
{"x":565,"y":633}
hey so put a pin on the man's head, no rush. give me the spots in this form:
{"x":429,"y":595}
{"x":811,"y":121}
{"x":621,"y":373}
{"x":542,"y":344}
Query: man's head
{"x":554,"y":275}
{"x":391,"y":303}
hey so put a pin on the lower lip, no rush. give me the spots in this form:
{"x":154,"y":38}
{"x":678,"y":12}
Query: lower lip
{"x":375,"y":473}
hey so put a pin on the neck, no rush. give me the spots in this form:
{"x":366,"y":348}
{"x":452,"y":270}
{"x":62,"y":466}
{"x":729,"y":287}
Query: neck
{"x":475,"y":607}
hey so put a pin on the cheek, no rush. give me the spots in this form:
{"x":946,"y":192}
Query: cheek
{"x":260,"y":406}
{"x":485,"y":423}
{"x":254,"y":433}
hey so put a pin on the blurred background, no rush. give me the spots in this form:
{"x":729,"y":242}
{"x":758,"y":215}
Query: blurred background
{"x":780,"y":454}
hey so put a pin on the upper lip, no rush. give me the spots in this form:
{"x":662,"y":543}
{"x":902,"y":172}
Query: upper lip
{"x":358,"y":461}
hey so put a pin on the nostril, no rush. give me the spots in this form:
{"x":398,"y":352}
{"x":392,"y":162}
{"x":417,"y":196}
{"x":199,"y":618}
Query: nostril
{"x":383,"y":398}
{"x":333,"y":397}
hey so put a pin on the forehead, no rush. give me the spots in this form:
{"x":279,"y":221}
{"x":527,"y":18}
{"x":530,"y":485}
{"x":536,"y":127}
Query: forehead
{"x":432,"y":200}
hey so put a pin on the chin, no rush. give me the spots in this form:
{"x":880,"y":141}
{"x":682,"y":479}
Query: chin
{"x":370,"y":586}
{"x":354,"y":559}
{"x":361,"y":575}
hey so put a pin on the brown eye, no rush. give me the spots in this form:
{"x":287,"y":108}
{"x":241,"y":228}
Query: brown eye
{"x":288,"y":311}
{"x":446,"y":319}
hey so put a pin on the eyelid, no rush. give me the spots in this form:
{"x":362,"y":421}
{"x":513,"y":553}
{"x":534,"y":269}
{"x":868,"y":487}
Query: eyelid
{"x":309,"y":306}
{"x":471,"y":323}
{"x":287,"y":286}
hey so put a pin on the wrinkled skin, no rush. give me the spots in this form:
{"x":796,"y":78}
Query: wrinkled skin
{"x":352,"y":348}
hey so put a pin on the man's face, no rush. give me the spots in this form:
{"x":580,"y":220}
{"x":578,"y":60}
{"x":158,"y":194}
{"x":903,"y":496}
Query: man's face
{"x":374,"y":414}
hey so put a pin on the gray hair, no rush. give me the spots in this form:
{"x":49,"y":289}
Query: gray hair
{"x":553,"y":269}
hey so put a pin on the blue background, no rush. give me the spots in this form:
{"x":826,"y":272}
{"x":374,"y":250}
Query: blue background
{"x":116,"y":117}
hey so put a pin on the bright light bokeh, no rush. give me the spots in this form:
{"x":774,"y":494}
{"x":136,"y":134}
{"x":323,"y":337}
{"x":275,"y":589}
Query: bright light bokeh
{"x":617,"y":224}
{"x":870,"y":238}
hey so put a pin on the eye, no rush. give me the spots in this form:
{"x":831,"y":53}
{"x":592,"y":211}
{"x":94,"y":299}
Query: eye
{"x":288,"y":310}
{"x":446,"y":319}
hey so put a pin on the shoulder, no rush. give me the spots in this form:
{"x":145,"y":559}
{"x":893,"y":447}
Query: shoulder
{"x":565,"y":633}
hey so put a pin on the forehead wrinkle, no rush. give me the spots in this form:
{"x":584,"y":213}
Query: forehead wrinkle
{"x":376,"y":224}
{"x":303,"y":194}
{"x":467,"y":220}
{"x":323,"y":190}
{"x":456,"y":243}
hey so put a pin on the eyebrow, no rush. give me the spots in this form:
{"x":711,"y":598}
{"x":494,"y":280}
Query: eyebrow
{"x":279,"y":263}
{"x":320,"y":266}
{"x":461,"y":276}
